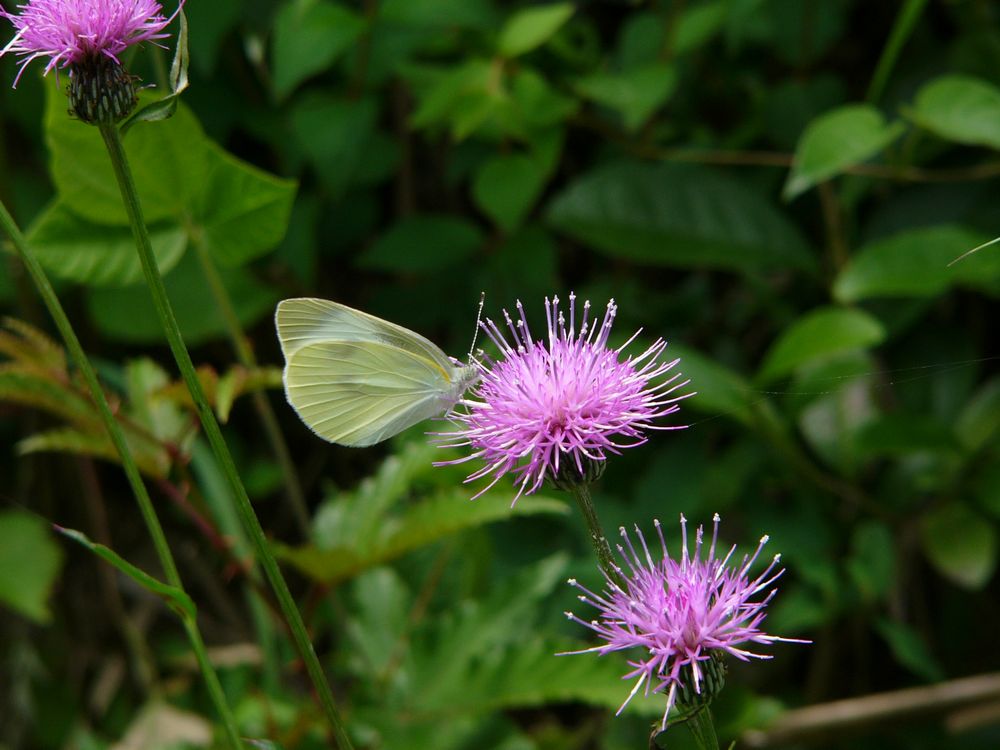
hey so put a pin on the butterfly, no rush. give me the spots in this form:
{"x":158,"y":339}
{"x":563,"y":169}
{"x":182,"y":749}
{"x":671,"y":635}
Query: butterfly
{"x":357,"y":380}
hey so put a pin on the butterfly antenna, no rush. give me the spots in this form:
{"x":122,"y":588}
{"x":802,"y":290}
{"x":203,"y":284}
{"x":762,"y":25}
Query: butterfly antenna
{"x":479,"y":320}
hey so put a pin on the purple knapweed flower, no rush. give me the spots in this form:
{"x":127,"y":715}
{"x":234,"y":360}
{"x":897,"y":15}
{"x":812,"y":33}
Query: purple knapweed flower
{"x":73,"y":32}
{"x":562,"y":403}
{"x":683,"y":615}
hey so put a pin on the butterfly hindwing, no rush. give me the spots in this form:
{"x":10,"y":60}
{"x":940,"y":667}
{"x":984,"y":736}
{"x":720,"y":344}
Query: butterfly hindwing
{"x":358,"y":393}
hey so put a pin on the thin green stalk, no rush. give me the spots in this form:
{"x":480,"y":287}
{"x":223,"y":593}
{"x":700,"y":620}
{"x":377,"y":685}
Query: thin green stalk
{"x":906,"y":21}
{"x":245,"y":355}
{"x":130,"y":199}
{"x":605,"y":557}
{"x":703,"y":729}
{"x":128,"y":463}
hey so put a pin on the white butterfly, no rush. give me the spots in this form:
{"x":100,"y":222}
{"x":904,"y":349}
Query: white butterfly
{"x":357,"y":380}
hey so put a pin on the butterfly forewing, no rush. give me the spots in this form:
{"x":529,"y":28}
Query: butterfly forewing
{"x":308,"y":320}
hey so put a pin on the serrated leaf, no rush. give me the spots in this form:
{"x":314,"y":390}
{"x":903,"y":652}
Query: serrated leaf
{"x":309,"y":35}
{"x":73,"y":248}
{"x":30,"y":562}
{"x":532,"y":27}
{"x":30,"y":348}
{"x":961,"y":544}
{"x":177,"y":599}
{"x":960,"y":108}
{"x":836,"y":140}
{"x":151,"y":458}
{"x":914,"y":263}
{"x":54,"y":397}
{"x":677,"y":215}
{"x":819,"y":335}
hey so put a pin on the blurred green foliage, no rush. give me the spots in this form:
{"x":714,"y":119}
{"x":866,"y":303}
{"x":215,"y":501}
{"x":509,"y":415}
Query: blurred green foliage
{"x":733,"y":172}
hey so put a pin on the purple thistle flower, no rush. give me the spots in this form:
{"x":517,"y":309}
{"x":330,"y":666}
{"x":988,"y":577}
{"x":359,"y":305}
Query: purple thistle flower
{"x":681,"y":614}
{"x":562,"y":402}
{"x":72,"y":32}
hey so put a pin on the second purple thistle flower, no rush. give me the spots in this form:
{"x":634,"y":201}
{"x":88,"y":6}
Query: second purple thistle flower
{"x":554,"y":408}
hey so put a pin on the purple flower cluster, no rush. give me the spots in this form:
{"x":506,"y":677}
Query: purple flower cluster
{"x":70,"y":32}
{"x":680,"y":613}
{"x":560,"y":403}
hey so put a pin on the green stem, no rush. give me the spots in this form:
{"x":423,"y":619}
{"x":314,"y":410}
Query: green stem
{"x":245,"y":355}
{"x":703,"y":729}
{"x":128,"y":463}
{"x":130,"y":198}
{"x":906,"y":21}
{"x":605,"y":557}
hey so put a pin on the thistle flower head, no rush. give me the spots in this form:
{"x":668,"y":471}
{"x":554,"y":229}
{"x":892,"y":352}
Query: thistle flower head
{"x":76,"y":32}
{"x":682,"y":614}
{"x":556,"y":407}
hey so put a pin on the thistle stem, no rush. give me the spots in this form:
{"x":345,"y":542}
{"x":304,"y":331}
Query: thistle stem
{"x":703,"y":729}
{"x":245,"y":355}
{"x":117,"y":436}
{"x":130,"y":199}
{"x":605,"y":557}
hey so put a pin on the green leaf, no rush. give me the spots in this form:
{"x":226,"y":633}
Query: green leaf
{"x":166,"y":160}
{"x":73,"y":248}
{"x":909,"y":649}
{"x":242,"y":212}
{"x":30,"y":562}
{"x":362,"y":529}
{"x":532,"y":27}
{"x":461,"y":97}
{"x":961,"y":109}
{"x":961,"y":544}
{"x":334,"y":134}
{"x":872,"y":564}
{"x":184,"y":181}
{"x":914,"y":263}
{"x":427,"y":522}
{"x":635,"y":94}
{"x":903,"y":434}
{"x":167,"y":106}
{"x":309,"y":35}
{"x":979,"y":420}
{"x":698,"y":25}
{"x":678,"y":215}
{"x":423,"y":244}
{"x":506,"y":187}
{"x":45,"y":392}
{"x":818,"y":335}
{"x":839,"y":139}
{"x":128,"y":314}
{"x":177,"y":599}
{"x":718,"y":390}
{"x":477,"y":14}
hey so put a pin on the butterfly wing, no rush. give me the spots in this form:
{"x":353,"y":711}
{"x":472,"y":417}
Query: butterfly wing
{"x":305,"y":321}
{"x":358,"y":393}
